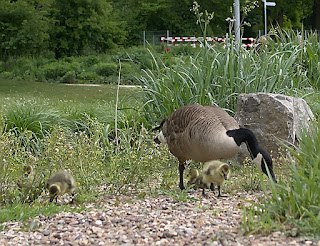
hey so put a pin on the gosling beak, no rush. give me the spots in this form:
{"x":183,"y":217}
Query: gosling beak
{"x":51,"y":199}
{"x":225,"y":176}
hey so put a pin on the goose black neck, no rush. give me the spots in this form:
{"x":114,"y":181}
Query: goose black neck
{"x":245,"y":135}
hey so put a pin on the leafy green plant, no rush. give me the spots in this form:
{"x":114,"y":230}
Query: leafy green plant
{"x":27,"y":116}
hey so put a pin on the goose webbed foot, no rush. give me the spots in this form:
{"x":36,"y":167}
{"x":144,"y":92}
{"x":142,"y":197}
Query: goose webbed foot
{"x":182,"y":187}
{"x":212,"y":186}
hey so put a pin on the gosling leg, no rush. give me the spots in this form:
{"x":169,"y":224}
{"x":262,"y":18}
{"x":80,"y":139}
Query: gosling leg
{"x":204,"y":194}
{"x":72,"y":199}
{"x":219,"y":193}
{"x":212,"y":186}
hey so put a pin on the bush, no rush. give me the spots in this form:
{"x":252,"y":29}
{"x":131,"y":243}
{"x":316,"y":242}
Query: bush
{"x":55,"y":71}
{"x":34,"y":118}
{"x":106,"y":69}
{"x":129,"y":73}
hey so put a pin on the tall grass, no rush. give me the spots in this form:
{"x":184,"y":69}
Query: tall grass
{"x":293,"y":203}
{"x":217,"y":76}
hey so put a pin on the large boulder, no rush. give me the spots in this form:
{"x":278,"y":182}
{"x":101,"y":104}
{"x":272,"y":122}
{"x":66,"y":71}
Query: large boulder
{"x":272,"y":117}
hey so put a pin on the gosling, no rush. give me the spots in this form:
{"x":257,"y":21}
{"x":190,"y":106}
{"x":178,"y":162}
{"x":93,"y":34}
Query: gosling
{"x":26,"y":179}
{"x":214,"y":172}
{"x":193,"y":175}
{"x":60,"y":183}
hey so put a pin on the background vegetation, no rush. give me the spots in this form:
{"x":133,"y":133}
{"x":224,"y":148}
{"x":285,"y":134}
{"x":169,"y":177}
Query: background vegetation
{"x":58,"y":28}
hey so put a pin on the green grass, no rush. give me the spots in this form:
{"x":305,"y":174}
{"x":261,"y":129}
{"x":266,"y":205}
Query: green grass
{"x":294,"y":202}
{"x":62,"y":95}
{"x":35,"y":105}
{"x":22,"y":212}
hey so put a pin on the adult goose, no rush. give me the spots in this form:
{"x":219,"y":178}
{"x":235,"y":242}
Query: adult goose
{"x":206,"y":133}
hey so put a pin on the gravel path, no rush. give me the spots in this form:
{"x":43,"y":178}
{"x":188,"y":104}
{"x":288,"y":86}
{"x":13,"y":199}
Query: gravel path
{"x":148,"y":221}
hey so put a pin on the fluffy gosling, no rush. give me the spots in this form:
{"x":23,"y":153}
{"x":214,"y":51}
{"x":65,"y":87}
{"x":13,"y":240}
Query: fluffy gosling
{"x":214,"y":172}
{"x":60,"y":183}
{"x":193,"y":175}
{"x":27,"y":178}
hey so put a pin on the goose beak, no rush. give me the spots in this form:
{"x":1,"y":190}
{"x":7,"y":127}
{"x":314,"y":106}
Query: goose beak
{"x":157,"y":140}
{"x":273,"y":176}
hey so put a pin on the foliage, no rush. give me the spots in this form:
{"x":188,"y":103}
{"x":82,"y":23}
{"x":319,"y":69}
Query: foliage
{"x":24,"y":29}
{"x":85,"y":69}
{"x":293,"y":203}
{"x":71,"y":28}
{"x":84,"y":25}
{"x":106,"y":69}
{"x":35,"y":118}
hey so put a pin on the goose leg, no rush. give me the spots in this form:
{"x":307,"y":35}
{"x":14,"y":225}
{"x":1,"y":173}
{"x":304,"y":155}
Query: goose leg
{"x":181,"y":169}
{"x":212,"y":187}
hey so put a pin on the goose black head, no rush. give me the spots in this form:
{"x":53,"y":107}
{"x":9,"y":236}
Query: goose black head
{"x":264,"y":160}
{"x":259,"y":156}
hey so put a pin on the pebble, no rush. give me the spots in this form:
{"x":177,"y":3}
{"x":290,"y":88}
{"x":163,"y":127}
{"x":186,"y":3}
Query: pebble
{"x":148,"y":221}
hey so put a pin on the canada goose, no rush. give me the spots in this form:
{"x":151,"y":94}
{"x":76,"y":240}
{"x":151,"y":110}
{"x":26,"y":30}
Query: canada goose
{"x":193,"y":175}
{"x":27,"y":178}
{"x":60,"y":183}
{"x":206,"y":133}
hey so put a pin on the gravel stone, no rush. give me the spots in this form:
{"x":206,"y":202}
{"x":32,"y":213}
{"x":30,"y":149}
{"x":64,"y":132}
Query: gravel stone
{"x":149,"y":221}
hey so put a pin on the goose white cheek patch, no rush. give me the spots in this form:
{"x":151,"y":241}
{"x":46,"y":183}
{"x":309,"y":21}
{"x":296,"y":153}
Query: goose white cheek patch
{"x":257,"y":161}
{"x":161,"y":138}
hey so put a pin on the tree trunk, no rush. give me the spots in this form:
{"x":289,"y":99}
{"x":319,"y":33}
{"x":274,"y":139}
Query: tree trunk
{"x":280,"y":19}
{"x":316,"y":15}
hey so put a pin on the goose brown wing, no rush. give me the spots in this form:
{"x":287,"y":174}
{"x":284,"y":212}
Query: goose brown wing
{"x":178,"y":121}
{"x":228,"y":122}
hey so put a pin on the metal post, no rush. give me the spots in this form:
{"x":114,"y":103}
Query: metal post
{"x":265,"y":17}
{"x":237,"y":23}
{"x":265,"y":4}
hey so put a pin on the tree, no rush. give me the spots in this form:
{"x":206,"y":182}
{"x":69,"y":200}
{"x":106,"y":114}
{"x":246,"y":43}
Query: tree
{"x":24,"y":28}
{"x":85,"y":26}
{"x":290,"y":14}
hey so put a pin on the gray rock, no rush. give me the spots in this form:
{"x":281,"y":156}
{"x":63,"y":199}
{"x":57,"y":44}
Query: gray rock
{"x":272,"y":117}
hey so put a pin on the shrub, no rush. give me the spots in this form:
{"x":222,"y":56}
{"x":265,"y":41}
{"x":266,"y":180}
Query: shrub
{"x":106,"y":69}
{"x":69,"y":77}
{"x":56,"y":70}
